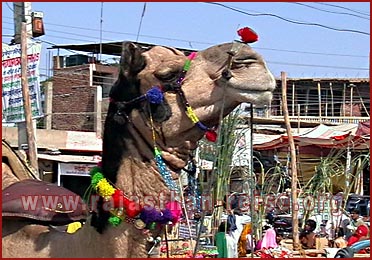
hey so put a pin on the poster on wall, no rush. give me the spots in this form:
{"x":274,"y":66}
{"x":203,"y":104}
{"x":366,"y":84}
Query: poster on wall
{"x":12,"y":99}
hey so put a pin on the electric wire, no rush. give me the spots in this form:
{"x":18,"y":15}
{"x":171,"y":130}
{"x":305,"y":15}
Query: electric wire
{"x":327,"y":11}
{"x":342,"y":7}
{"x":173,"y":39}
{"x":288,"y":20}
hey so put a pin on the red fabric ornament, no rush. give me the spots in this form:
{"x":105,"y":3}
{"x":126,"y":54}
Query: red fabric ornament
{"x":211,"y":136}
{"x":131,"y":209}
{"x":121,"y":201}
{"x":247,"y":35}
{"x":118,"y":199}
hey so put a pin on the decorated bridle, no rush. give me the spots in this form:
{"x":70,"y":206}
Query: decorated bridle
{"x":155,"y":95}
{"x":123,"y":208}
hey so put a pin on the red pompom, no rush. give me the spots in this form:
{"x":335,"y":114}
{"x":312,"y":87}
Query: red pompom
{"x":247,"y":35}
{"x":118,"y":199}
{"x":121,"y":201}
{"x":211,"y":136}
{"x":131,"y":208}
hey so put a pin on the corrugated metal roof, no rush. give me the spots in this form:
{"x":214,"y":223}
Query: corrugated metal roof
{"x":109,"y":48}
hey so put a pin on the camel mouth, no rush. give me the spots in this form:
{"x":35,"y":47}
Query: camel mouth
{"x":176,"y":158}
{"x":258,"y":90}
{"x":256,"y":98}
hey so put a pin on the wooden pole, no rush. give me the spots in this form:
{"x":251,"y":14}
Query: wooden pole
{"x":293,"y":164}
{"x":351,"y":99}
{"x":293,"y":99}
{"x":32,"y":150}
{"x":320,"y":101}
{"x":98,"y":110}
{"x":332,"y":104}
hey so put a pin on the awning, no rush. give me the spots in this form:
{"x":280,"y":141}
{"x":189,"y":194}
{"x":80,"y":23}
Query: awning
{"x":66,"y":158}
{"x":109,"y":48}
{"x":363,"y":129}
{"x":322,"y":136}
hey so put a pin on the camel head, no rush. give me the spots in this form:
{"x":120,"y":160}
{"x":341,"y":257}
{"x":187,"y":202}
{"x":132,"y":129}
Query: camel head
{"x":218,"y":79}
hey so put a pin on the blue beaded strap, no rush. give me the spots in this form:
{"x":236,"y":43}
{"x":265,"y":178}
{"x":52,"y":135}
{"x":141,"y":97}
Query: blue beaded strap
{"x":165,"y":172}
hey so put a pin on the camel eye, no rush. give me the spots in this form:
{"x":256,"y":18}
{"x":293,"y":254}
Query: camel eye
{"x":241,"y":63}
{"x":167,"y":74}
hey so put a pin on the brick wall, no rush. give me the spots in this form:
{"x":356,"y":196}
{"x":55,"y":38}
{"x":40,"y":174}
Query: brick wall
{"x":73,"y":99}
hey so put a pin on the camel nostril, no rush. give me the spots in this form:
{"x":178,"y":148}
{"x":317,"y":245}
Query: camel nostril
{"x":226,"y":73}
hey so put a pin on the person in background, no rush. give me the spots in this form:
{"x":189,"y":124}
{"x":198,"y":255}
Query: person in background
{"x":240,"y":221}
{"x":279,"y":238}
{"x":361,"y":233}
{"x":237,"y":220}
{"x":220,"y":240}
{"x":245,"y":241}
{"x":355,"y":221}
{"x":307,"y":236}
{"x":258,"y":245}
{"x":269,"y":239}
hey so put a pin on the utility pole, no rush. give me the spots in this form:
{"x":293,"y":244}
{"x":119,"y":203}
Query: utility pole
{"x":22,"y":13}
{"x":23,"y":31}
{"x":32,"y":149}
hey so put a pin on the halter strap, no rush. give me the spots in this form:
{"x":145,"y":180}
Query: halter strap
{"x":155,"y":96}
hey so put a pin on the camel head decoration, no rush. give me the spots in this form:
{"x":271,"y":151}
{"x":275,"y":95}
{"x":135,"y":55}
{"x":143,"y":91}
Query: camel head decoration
{"x":162,"y":103}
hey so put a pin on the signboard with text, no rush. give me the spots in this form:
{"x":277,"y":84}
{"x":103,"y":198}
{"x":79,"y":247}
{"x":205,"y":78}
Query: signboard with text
{"x":12,"y":98}
{"x":78,"y":169}
{"x":242,"y":151}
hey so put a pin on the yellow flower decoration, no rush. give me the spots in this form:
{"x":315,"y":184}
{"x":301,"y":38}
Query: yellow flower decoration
{"x":104,"y":188}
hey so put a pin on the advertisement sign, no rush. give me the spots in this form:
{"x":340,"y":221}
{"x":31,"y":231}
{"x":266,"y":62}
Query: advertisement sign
{"x":12,"y":106}
{"x":77,"y":169}
{"x":242,"y":151}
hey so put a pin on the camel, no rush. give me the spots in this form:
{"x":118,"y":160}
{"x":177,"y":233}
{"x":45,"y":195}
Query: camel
{"x":215,"y":80}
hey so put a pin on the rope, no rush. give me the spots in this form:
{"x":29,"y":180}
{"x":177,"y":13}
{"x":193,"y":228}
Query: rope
{"x":186,"y":216}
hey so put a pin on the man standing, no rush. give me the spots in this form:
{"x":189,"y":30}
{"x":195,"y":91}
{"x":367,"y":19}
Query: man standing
{"x":240,"y":220}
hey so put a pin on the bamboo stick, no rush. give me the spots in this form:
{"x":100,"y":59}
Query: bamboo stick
{"x":293,"y":164}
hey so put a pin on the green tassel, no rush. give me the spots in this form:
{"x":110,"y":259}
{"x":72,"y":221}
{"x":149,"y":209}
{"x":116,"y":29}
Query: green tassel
{"x":114,"y":221}
{"x":152,"y":225}
{"x":94,"y":170}
{"x":96,"y":178}
{"x":186,"y":67}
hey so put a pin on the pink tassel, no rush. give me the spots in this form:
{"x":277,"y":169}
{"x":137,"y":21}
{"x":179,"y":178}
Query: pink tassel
{"x":175,"y":209}
{"x":192,"y":55}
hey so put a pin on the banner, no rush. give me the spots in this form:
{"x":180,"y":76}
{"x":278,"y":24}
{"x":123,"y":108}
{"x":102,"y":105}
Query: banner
{"x":12,"y":106}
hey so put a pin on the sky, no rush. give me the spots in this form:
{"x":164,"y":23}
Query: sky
{"x":303,"y":39}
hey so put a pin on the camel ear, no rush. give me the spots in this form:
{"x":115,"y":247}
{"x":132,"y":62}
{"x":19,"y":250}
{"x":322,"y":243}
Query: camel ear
{"x":131,"y":61}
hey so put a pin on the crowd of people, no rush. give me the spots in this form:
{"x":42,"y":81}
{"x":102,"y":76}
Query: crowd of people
{"x":234,"y":237}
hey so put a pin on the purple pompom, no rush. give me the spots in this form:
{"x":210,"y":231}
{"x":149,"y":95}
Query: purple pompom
{"x":166,"y":217}
{"x":155,"y":96}
{"x":149,"y":215}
